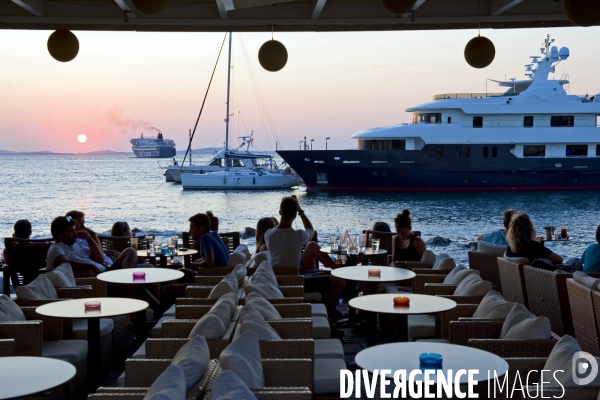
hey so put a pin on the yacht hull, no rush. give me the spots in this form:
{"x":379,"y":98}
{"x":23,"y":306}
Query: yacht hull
{"x":156,"y":152}
{"x":237,"y":181}
{"x":424,"y":170}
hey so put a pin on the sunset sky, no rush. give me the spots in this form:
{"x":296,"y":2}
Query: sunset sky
{"x":335,"y":84}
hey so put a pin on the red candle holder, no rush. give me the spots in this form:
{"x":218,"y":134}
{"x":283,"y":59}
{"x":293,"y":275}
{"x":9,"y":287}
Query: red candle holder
{"x":93,"y":306}
{"x":401,"y":301}
{"x":374,"y":272}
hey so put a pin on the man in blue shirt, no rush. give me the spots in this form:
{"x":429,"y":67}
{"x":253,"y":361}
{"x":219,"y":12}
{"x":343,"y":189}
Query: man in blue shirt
{"x":212,"y":251}
{"x":591,"y":256}
{"x":499,"y":237}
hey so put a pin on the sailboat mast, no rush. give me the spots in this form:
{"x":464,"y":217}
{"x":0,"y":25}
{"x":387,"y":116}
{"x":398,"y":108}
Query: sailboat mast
{"x":228,"y":89}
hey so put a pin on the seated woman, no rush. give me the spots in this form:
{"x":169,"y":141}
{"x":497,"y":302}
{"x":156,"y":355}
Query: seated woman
{"x":406,"y":246}
{"x":591,"y":256}
{"x":120,"y":229}
{"x":521,"y":243}
{"x":381,"y":226}
{"x":263,"y":225}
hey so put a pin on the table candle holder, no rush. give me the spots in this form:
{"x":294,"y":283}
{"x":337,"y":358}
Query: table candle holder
{"x":139,"y":275}
{"x":431,"y":360}
{"x":93,"y":306}
{"x":374,"y":272}
{"x":401,"y":301}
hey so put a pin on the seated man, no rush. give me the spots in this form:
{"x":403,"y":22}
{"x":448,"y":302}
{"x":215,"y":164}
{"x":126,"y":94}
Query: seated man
{"x":499,"y":237}
{"x":284,"y":244}
{"x":211,"y":249}
{"x":79,"y":217}
{"x":82,"y":258}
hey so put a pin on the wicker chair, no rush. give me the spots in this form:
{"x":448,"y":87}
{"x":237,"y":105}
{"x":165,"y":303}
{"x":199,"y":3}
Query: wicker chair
{"x":26,"y":257}
{"x":487,"y":265}
{"x":585,"y":324}
{"x":28,"y":339}
{"x":484,"y":334}
{"x":547,"y":295}
{"x":512,"y":281}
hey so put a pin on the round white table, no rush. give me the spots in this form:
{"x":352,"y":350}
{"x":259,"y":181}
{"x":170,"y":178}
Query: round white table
{"x":395,"y":356}
{"x":361,"y":274}
{"x":153,"y":275}
{"x":75,"y":309}
{"x":384,"y":304}
{"x":21,"y":376}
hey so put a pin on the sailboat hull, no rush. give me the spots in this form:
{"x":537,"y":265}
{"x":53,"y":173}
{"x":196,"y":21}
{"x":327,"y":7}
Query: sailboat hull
{"x":237,"y":181}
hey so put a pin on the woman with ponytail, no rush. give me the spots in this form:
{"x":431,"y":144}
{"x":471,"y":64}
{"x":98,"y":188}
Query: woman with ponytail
{"x":406,"y":246}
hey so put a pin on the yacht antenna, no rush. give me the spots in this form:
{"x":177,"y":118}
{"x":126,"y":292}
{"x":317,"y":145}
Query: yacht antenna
{"x":227,"y":114}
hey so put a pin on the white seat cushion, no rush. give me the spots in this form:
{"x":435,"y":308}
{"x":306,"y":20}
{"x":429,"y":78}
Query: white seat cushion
{"x":586,"y":280}
{"x":522,"y":324}
{"x":9,"y":310}
{"x":264,"y":307}
{"x":428,"y":256}
{"x":318,"y":310}
{"x":242,"y":356}
{"x":421,"y":326}
{"x":327,"y":375}
{"x":459,"y":273}
{"x":236,"y":258}
{"x":38,"y":289}
{"x":193,"y":358}
{"x":252,"y":321}
{"x":121,"y":380}
{"x":329,"y":348}
{"x":266,"y":290}
{"x":493,"y":306}
{"x":444,"y":262}
{"x":62,"y":276}
{"x":320,"y":328}
{"x":170,"y":312}
{"x":80,"y":328}
{"x":210,"y":326}
{"x":240,"y":271}
{"x":473,"y":285}
{"x":169,"y":385}
{"x":488,"y":248}
{"x":228,"y":284}
{"x":561,"y":358}
{"x":71,"y":351}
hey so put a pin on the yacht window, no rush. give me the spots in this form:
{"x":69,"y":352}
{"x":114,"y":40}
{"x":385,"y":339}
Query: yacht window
{"x":528,"y":121}
{"x":449,"y":120}
{"x":458,"y":152}
{"x":485,"y":151}
{"x":216,"y":161}
{"x":562,"y":120}
{"x":597,"y":150}
{"x":477,"y":122}
{"x":440,"y":152}
{"x":494,"y":151}
{"x":577,"y":150}
{"x":534,"y":150}
{"x":467,"y":152}
{"x":398,"y":144}
{"x":429,"y":118}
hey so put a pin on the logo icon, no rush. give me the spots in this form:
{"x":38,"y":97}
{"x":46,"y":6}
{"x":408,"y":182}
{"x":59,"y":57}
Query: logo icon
{"x":584,"y":368}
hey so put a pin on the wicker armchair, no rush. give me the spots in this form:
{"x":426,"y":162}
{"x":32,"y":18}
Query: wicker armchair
{"x":26,"y":257}
{"x":585,"y":325}
{"x":484,"y":334}
{"x":26,"y":338}
{"x":548,"y":297}
{"x":487,"y":265}
{"x":512,"y":281}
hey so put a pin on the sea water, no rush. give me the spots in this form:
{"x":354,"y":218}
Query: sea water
{"x":110,"y":188}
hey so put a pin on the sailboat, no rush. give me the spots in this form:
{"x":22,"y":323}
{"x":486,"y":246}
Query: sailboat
{"x":235,"y":168}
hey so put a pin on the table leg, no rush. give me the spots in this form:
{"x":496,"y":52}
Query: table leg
{"x":372,"y":329}
{"x":139,"y":318}
{"x":94,"y":370}
{"x":351,"y":260}
{"x":401,"y":328}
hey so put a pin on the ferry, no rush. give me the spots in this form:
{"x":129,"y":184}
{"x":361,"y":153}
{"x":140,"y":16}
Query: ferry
{"x":153,"y":146}
{"x":533,"y":136}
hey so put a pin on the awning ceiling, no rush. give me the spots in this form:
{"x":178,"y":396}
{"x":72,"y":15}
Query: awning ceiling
{"x":279,"y":15}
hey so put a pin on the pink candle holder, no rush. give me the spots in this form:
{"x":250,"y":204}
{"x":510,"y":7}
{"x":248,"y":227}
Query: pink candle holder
{"x":139,"y":275}
{"x":374,"y":272}
{"x":93,"y":306}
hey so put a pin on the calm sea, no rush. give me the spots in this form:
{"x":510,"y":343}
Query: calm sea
{"x":120,"y":187}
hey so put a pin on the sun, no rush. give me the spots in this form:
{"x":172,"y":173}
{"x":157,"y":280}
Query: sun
{"x":82,"y":138}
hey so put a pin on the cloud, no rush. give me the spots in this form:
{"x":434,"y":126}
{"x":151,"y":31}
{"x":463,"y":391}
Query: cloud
{"x":116,"y":117}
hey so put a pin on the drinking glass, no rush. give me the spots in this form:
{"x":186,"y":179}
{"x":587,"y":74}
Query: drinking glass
{"x":333,"y":242}
{"x":563,"y":232}
{"x":375,"y":245}
{"x":149,"y":245}
{"x":353,"y":244}
{"x":172,"y":245}
{"x":134,"y":243}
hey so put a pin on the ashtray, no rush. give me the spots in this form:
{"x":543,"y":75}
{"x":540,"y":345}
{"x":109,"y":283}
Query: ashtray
{"x":431,"y":360}
{"x":93,"y":306}
{"x":374,"y":272}
{"x":401,"y":301}
{"x":139,"y":275}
